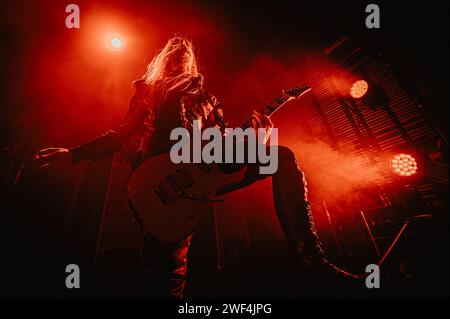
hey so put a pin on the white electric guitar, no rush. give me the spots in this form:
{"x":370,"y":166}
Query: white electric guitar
{"x":171,"y":199}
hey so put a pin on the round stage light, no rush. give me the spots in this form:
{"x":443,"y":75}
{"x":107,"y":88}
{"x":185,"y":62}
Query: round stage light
{"x":116,"y":43}
{"x":403,"y":165}
{"x":358,"y":89}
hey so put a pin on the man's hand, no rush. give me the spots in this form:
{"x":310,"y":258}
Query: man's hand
{"x":262,"y":121}
{"x":51,"y":156}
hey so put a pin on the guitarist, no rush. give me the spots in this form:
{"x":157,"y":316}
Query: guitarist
{"x":170,"y":95}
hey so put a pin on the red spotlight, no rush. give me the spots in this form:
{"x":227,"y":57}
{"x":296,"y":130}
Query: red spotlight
{"x":358,"y":89}
{"x":116,"y":43}
{"x":403,"y":165}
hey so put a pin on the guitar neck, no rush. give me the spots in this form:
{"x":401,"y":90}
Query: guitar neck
{"x":269,"y":109}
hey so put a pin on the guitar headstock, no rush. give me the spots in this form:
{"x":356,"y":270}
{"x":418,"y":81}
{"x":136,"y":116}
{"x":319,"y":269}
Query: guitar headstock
{"x":296,"y":91}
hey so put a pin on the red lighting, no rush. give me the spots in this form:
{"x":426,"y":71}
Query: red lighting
{"x":116,"y":43}
{"x":403,"y":165}
{"x":358,"y":89}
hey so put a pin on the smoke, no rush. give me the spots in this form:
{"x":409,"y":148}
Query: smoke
{"x":336,"y":175}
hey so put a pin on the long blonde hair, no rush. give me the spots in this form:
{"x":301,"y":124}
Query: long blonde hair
{"x":167,"y":73}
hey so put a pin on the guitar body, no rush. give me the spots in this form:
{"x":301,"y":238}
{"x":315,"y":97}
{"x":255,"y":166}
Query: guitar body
{"x":171,"y":199}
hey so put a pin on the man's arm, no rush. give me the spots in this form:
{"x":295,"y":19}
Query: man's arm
{"x":111,"y":141}
{"x":104,"y":145}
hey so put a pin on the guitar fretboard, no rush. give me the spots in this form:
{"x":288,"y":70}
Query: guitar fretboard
{"x":269,"y":109}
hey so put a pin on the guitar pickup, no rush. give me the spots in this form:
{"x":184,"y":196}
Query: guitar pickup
{"x":174,"y":186}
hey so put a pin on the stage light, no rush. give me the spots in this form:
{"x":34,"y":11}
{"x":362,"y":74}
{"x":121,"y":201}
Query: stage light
{"x":403,"y":165}
{"x":116,"y":43}
{"x":358,"y":89}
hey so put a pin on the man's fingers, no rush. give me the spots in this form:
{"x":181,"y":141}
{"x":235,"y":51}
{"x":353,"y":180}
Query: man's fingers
{"x":260,"y":122}
{"x":44,"y":166}
{"x":42,"y":161}
{"x":44,"y":154}
{"x":254,"y":123}
{"x":257,"y":116}
{"x":257,"y":122}
{"x":268,"y":121}
{"x":46,"y":151}
{"x":263,"y":120}
{"x":41,"y":158}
